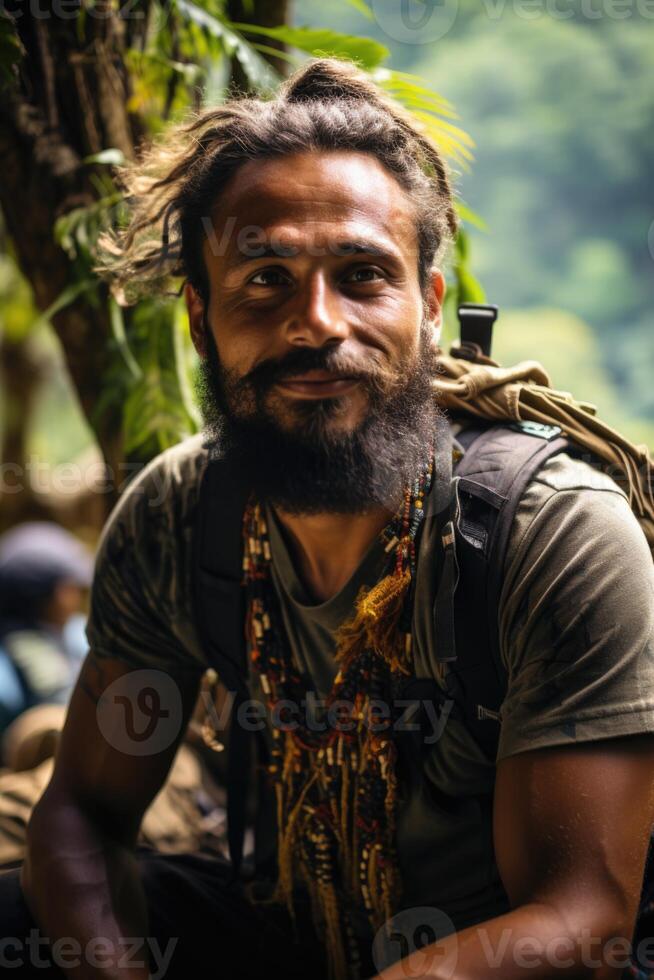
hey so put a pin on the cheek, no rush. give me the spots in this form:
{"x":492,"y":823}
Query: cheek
{"x":393,"y":326}
{"x":235,"y":352}
{"x":242,"y":346}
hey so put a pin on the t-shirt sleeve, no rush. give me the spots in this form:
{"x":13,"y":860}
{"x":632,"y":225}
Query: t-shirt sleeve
{"x":576,"y":617}
{"x":140,"y":608}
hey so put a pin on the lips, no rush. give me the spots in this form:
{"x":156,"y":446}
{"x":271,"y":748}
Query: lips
{"x":319,"y":377}
{"x":319,"y":384}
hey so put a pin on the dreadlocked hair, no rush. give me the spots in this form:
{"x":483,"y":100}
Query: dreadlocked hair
{"x":327,"y":104}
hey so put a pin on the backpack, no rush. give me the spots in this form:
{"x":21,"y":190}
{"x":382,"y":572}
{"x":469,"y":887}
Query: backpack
{"x":502,"y":456}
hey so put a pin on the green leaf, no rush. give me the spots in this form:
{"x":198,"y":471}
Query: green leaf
{"x":469,"y":289}
{"x":182,"y":348}
{"x":65,"y":298}
{"x":319,"y":41}
{"x":18,"y":314}
{"x":11,"y":48}
{"x":408,"y":90}
{"x":292,"y":59}
{"x":431,"y":110}
{"x":78,"y":230}
{"x":155,"y":415}
{"x":470,"y":217}
{"x":362,"y":7}
{"x":112,"y":156}
{"x":118,"y":330}
{"x":257,"y":70}
{"x":408,"y":83}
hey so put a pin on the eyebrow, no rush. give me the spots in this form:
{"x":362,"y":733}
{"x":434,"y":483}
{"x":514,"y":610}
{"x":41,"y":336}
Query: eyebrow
{"x":348,"y":247}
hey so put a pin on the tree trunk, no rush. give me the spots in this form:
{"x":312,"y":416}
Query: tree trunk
{"x":21,"y":373}
{"x":70,"y":102}
{"x":265,"y":13}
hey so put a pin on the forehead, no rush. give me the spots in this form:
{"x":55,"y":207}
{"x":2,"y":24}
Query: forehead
{"x":314,"y":198}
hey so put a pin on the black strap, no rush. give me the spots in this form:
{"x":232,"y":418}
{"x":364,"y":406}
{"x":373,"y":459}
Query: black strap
{"x":219,"y":605}
{"x":500,"y":461}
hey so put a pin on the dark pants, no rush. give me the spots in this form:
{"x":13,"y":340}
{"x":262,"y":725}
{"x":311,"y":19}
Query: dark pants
{"x":217,"y":931}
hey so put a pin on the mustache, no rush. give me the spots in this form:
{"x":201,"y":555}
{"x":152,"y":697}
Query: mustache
{"x":304,"y":359}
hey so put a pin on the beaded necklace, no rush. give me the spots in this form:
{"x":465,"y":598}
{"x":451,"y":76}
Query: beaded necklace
{"x":335,"y":783}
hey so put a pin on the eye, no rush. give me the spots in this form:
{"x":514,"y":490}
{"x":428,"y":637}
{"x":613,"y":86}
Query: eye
{"x":278,"y":277}
{"x":366,"y":270}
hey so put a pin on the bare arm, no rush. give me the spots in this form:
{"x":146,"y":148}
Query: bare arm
{"x":571,"y":829}
{"x":80,"y":877}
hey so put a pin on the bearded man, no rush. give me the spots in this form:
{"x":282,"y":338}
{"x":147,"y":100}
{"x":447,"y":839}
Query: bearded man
{"x":311,"y":230}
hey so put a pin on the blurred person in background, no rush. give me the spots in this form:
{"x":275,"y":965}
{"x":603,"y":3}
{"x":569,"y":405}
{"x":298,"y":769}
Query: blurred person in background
{"x":45,"y":573}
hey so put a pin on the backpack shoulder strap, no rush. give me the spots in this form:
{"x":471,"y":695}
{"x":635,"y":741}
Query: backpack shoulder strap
{"x":219,"y":611}
{"x":218,"y":571}
{"x":500,"y":461}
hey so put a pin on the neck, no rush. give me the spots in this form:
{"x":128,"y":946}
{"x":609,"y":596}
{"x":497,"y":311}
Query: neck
{"x":327,"y":548}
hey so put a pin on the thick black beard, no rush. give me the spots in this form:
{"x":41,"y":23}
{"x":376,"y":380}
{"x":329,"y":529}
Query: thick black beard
{"x":308,"y":469}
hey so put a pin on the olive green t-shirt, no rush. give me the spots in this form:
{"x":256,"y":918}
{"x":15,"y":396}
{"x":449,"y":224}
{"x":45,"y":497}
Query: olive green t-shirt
{"x":576,"y":623}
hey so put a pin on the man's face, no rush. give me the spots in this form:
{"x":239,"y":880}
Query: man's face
{"x":316,"y":327}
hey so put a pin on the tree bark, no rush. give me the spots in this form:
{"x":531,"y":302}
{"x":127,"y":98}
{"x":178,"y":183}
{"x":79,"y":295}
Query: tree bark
{"x":69,"y":102}
{"x":21,"y":373}
{"x":265,"y":13}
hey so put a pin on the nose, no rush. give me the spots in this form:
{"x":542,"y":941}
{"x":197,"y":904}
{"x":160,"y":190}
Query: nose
{"x":317,"y":317}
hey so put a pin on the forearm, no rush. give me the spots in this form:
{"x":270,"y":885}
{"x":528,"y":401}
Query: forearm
{"x":532,"y":941}
{"x":83,"y":886}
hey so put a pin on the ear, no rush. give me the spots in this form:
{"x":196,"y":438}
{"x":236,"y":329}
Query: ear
{"x":434,"y":302}
{"x":196,"y":318}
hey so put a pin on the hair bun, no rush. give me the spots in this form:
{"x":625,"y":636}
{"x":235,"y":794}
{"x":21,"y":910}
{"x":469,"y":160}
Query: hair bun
{"x":328,"y":78}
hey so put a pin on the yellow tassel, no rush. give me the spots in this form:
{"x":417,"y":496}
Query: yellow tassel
{"x":345,"y":811}
{"x":337,"y":960}
{"x":289,"y":837}
{"x":374,"y":625}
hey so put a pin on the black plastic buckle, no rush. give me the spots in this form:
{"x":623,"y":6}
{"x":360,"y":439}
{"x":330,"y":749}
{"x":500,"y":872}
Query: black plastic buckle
{"x":476,"y":325}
